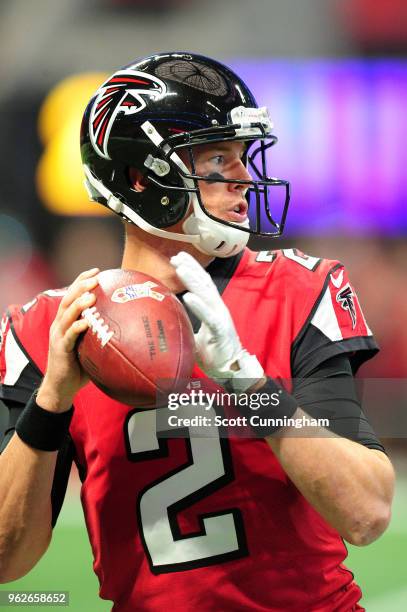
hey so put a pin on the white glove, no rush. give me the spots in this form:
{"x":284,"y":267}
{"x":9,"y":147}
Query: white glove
{"x":217,"y":342}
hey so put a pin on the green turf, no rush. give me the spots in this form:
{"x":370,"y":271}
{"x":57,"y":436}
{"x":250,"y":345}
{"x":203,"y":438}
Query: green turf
{"x":67,"y":566}
{"x":380,"y":569}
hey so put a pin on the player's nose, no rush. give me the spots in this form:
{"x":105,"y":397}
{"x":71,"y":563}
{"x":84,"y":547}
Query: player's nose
{"x":241,"y":173}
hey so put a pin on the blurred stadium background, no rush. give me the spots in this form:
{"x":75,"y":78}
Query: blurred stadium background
{"x":334,"y":75}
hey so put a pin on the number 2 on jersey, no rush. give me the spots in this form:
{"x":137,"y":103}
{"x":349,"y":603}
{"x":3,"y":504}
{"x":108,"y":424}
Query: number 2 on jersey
{"x":221,"y":535}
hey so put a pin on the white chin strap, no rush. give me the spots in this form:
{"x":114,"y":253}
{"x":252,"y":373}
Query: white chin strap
{"x":207,"y":235}
{"x":214,"y":238}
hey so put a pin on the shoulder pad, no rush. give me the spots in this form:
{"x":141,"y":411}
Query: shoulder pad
{"x":293,"y":264}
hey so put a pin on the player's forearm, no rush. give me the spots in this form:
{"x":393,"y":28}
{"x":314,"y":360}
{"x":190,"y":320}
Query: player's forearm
{"x":26,"y":477}
{"x":350,"y":485}
{"x":26,"y":474}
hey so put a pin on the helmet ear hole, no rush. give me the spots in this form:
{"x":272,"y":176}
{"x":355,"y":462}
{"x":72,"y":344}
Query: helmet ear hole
{"x":137,"y":179}
{"x":160,"y":205}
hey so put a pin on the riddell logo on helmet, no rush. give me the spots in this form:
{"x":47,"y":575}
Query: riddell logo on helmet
{"x":135,"y":292}
{"x":123,"y":92}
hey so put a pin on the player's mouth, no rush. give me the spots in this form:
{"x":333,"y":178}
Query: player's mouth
{"x":238,"y":212}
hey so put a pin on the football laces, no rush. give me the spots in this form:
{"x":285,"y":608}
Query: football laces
{"x":97,"y":325}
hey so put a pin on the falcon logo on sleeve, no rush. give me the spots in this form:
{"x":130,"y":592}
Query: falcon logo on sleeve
{"x":121,"y":93}
{"x":345,"y":297}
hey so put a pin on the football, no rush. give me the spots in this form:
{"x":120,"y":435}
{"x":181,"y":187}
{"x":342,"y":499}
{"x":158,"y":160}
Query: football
{"x":139,"y":342}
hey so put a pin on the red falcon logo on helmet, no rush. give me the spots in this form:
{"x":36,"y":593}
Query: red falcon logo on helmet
{"x":122,"y":93}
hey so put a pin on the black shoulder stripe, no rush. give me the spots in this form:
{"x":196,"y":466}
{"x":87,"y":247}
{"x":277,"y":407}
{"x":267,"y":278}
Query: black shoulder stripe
{"x":316,"y":348}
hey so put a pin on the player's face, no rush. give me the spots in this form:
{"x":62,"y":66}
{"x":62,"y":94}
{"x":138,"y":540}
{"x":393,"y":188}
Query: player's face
{"x":224,"y":200}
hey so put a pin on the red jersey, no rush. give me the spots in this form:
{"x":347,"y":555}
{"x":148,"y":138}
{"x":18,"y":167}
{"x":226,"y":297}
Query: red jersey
{"x":209,"y":523}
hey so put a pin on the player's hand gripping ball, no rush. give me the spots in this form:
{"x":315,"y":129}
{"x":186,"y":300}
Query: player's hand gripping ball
{"x":139,"y":335}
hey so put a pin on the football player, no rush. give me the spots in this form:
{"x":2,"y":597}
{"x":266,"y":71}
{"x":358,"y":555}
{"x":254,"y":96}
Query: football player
{"x":177,"y":146}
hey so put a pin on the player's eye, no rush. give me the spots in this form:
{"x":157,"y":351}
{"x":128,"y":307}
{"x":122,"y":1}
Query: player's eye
{"x":217,"y":159}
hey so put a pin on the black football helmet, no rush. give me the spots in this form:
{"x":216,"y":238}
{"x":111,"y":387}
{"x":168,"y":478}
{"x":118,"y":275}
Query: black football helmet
{"x":144,"y":115}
